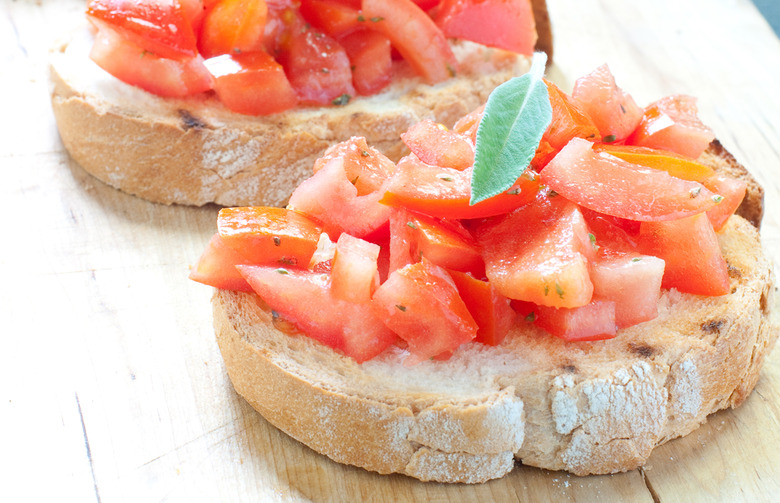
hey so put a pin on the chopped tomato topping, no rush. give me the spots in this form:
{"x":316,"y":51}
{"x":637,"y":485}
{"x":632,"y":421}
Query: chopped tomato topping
{"x":354,"y":272}
{"x":269,"y":236}
{"x":233,"y":27}
{"x":730,"y":193}
{"x":372,"y":64}
{"x":251,"y":83}
{"x":217,"y":267}
{"x":445,"y":243}
{"x":592,"y":322}
{"x":672,"y":123}
{"x":421,"y":304}
{"x":437,"y":146}
{"x":331,"y":16}
{"x":490,"y":309}
{"x":506,"y":24}
{"x":632,"y":282}
{"x":675,"y":164}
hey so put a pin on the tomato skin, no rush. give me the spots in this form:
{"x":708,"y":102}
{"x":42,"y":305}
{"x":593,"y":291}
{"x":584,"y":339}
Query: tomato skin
{"x":690,"y":249}
{"x":445,"y":243}
{"x":217,"y":267}
{"x":317,"y":66}
{"x":415,"y":35}
{"x":421,"y":304}
{"x":137,"y":67}
{"x":332,"y":198}
{"x":445,"y":193}
{"x":333,"y":17}
{"x":732,"y":191}
{"x":592,"y":322}
{"x":354,"y":274}
{"x":366,"y":167}
{"x":251,"y":83}
{"x":675,"y":164}
{"x":490,"y":309}
{"x":269,"y":236}
{"x":614,"y":111}
{"x":546,"y":263}
{"x":632,"y":282}
{"x":372,"y":64}
{"x":672,"y":123}
{"x":401,"y":239}
{"x":305,"y":299}
{"x":233,"y":27}
{"x":615,"y":187}
{"x":158,"y":26}
{"x":506,"y":24}
{"x":437,"y":146}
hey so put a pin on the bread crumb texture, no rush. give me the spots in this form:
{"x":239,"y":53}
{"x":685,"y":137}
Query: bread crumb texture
{"x":588,"y":408}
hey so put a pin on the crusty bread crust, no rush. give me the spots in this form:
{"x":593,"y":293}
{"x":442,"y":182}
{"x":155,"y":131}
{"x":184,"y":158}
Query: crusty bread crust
{"x":588,"y":408}
{"x":194,"y":151}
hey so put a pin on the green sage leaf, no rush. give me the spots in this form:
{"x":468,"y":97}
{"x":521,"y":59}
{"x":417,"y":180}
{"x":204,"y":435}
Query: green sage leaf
{"x":516,"y":116}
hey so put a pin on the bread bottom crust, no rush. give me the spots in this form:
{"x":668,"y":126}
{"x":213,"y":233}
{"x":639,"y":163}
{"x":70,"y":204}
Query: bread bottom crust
{"x":588,"y":408}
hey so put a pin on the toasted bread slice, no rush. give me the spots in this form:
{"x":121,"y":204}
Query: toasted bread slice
{"x":194,"y":151}
{"x":588,"y":408}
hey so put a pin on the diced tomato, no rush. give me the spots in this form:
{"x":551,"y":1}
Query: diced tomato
{"x":568,"y":121}
{"x":401,"y":239}
{"x":675,"y":164}
{"x":322,"y":259}
{"x":445,"y":243}
{"x":689,"y":247}
{"x":445,"y":193}
{"x":539,"y":253}
{"x":506,"y":24}
{"x":469,"y":124}
{"x":138,"y":67}
{"x":251,"y":83}
{"x":437,"y":146}
{"x":305,"y":299}
{"x":282,"y":19}
{"x":332,"y":17}
{"x":366,"y":167}
{"x":233,"y":27}
{"x":427,"y":5}
{"x":615,"y":187}
{"x":157,"y":26}
{"x":421,"y":304}
{"x":194,"y":11}
{"x":612,"y":235}
{"x":415,"y":35}
{"x":372,"y":64}
{"x":269,"y":236}
{"x":490,"y":309}
{"x":592,"y":322}
{"x":333,"y":199}
{"x":632,"y":282}
{"x":613,"y":110}
{"x":317,"y":66}
{"x":732,"y":192}
{"x":672,"y":123}
{"x":354,"y":273}
{"x":217,"y":267}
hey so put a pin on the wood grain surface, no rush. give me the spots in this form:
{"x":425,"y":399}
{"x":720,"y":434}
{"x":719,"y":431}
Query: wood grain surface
{"x":111,"y":382}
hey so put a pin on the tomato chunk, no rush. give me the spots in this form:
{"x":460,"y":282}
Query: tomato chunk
{"x":317,"y":66}
{"x":506,"y":24}
{"x":372,"y":62}
{"x":675,"y":164}
{"x":333,"y":199}
{"x":401,"y":239}
{"x":613,"y":110}
{"x":251,"y":83}
{"x":445,"y":193}
{"x":490,"y":309}
{"x":672,"y":123}
{"x":592,"y":322}
{"x":217,"y":267}
{"x":421,"y":304}
{"x":732,"y":192}
{"x":269,"y":236}
{"x":632,"y":282}
{"x":333,"y":17}
{"x":437,"y":146}
{"x":615,"y":187}
{"x":414,"y":35}
{"x":233,"y":27}
{"x":305,"y":299}
{"x":445,"y":243}
{"x":354,"y":273}
{"x":547,"y":261}
{"x":158,"y":26}
{"x":366,"y":167}
{"x":689,"y":247}
{"x":135,"y":66}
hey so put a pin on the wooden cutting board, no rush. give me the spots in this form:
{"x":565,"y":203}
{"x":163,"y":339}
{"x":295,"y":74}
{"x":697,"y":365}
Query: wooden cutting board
{"x":113,"y":388}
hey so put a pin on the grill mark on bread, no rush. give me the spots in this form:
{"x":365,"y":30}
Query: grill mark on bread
{"x":643,"y":350}
{"x":569,"y":368}
{"x":712,"y":326}
{"x":733,"y":271}
{"x":189,"y":121}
